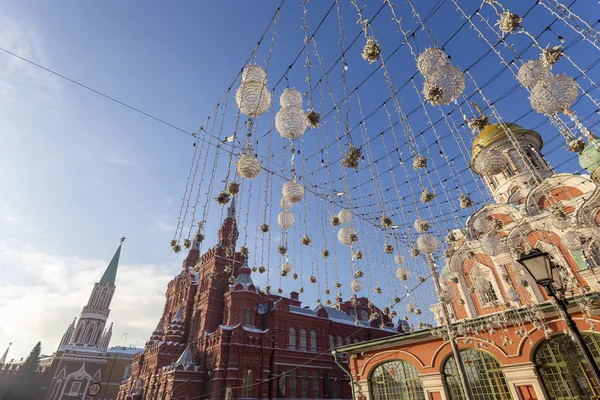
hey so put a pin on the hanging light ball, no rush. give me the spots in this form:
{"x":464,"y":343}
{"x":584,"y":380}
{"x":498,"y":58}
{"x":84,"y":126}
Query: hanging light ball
{"x":421,"y":225}
{"x":254,"y":72}
{"x":444,"y":85}
{"x":286,"y":267}
{"x":292,"y":191}
{"x":427,"y":243}
{"x":402,"y":273}
{"x":291,"y":122}
{"x":430,"y":60}
{"x":248,"y":166}
{"x":285,"y":203}
{"x":532,"y":71}
{"x":345,"y":216}
{"x":253,"y":98}
{"x":553,"y":94}
{"x":290,"y":98}
{"x":572,"y":240}
{"x":347,"y":236}
{"x":489,"y":162}
{"x":356,"y":285}
{"x":399,"y":259}
{"x":286,"y":219}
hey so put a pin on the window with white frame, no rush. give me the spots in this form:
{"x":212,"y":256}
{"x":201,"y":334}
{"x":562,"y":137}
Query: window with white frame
{"x":74,"y":390}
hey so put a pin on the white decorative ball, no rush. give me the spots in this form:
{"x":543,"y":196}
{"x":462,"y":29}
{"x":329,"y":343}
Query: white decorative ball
{"x":291,"y":98}
{"x":489,"y":162}
{"x":553,"y":94}
{"x":356,"y":285}
{"x":345,"y":216}
{"x":253,"y":72}
{"x":248,"y":166}
{"x":447,"y":82}
{"x":532,"y":71}
{"x":572,"y":240}
{"x":430,"y":60}
{"x":285,"y":203}
{"x":347,"y":236}
{"x":286,"y":219}
{"x":253,"y":98}
{"x":399,"y":259}
{"x":291,"y":122}
{"x":286,"y":267}
{"x":402,"y":273}
{"x":421,"y":225}
{"x":427,"y":243}
{"x":292,"y":191}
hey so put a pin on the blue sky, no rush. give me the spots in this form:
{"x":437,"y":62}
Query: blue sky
{"x":78,"y":171}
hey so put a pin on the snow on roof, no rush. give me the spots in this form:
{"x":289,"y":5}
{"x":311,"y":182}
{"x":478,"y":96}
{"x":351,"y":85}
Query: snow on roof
{"x":124,"y":350}
{"x":302,"y":310}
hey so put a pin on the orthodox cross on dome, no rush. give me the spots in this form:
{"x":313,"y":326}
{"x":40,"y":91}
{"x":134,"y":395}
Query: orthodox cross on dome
{"x":122,"y":239}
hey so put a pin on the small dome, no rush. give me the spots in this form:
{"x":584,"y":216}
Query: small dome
{"x":590,"y":159}
{"x":495,"y":132}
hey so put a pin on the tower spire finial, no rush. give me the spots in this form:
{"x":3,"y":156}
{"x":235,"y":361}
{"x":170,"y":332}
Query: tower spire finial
{"x":111,"y":271}
{"x":231,"y":209}
{"x":3,"y":358}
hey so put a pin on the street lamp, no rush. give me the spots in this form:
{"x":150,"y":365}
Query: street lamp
{"x":545,"y":273}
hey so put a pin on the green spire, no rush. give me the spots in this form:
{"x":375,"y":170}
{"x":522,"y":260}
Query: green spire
{"x":111,"y":271}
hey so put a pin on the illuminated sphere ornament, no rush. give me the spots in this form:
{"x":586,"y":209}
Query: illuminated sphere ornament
{"x":285,"y":203}
{"x":489,"y":162}
{"x":347,"y":236}
{"x":253,"y":98}
{"x":286,"y":267}
{"x":248,"y":166}
{"x":427,"y":243}
{"x":444,"y":85}
{"x":286,"y":219}
{"x":532,"y":71}
{"x":356,"y":285}
{"x":421,"y":225}
{"x":572,"y":240}
{"x":399,"y":259}
{"x":402,"y":273}
{"x":553,"y":94}
{"x":345,"y":216}
{"x":254,"y":72}
{"x":292,"y":191}
{"x":430,"y":60}
{"x":291,"y":121}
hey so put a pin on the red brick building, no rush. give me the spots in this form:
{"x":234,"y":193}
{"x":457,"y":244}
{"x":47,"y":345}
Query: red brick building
{"x":220,"y":336}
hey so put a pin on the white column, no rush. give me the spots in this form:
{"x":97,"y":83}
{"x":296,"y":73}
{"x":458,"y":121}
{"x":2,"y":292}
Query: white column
{"x":361,"y":390}
{"x":433,"y":383}
{"x":522,"y":375}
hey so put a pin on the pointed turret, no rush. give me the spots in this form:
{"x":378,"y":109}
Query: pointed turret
{"x":186,"y":358}
{"x":3,"y":358}
{"x":176,"y":328}
{"x":106,"y":337}
{"x":68,"y":333}
{"x":228,"y":233}
{"x":111,"y":271}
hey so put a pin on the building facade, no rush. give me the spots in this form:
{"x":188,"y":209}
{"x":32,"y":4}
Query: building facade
{"x":83,"y":356}
{"x":512,"y":340}
{"x":221,"y":337}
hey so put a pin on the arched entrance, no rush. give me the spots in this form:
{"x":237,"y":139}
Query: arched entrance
{"x":485,"y":377}
{"x":563,"y":370}
{"x":396,"y":380}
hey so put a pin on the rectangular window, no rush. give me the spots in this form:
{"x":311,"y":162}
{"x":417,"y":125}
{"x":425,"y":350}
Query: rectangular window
{"x":293,"y":383}
{"x":336,"y":387}
{"x":315,"y":386}
{"x":75,"y":386}
{"x":326,"y":388}
{"x":304,"y":385}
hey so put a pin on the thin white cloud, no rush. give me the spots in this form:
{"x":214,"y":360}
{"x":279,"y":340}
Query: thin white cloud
{"x":41,"y":293}
{"x":165,"y":226}
{"x":123,"y":160}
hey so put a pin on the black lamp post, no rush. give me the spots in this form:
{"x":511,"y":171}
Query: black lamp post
{"x":539,"y":265}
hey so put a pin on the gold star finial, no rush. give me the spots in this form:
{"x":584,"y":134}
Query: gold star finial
{"x":122,"y":239}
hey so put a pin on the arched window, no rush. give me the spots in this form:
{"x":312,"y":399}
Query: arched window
{"x":483,"y":372}
{"x":313,"y":341}
{"x":563,"y":370}
{"x":396,"y":380}
{"x":248,"y":316}
{"x":340,"y":342}
{"x":292,"y":339}
{"x":302,"y":340}
{"x":331,"y":342}
{"x":89,"y":333}
{"x":78,"y":336}
{"x":247,"y":383}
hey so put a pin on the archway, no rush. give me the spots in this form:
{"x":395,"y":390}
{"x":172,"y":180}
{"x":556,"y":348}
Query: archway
{"x":484,"y":374}
{"x":563,"y":370}
{"x":396,"y":380}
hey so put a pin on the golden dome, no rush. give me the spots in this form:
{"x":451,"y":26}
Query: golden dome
{"x":494,"y":132}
